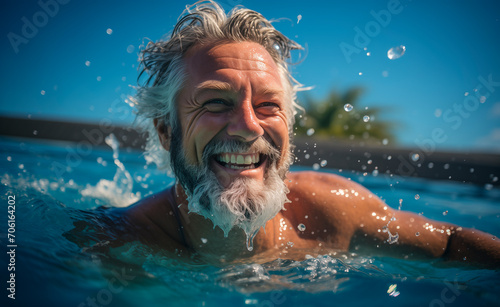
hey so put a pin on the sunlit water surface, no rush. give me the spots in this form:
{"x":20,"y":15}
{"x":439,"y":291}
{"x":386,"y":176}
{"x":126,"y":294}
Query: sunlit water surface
{"x":57,"y":187}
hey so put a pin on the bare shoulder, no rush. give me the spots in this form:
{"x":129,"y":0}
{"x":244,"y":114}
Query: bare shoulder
{"x":333,"y":204}
{"x":328,"y":189}
{"x":154,"y":220}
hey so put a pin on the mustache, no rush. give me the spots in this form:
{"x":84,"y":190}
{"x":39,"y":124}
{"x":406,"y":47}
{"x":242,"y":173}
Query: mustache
{"x":259,"y":145}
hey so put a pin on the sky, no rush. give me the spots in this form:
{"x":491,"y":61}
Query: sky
{"x":77,"y":60}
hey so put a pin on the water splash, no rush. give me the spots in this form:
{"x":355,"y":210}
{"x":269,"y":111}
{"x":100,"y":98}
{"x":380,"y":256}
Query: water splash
{"x":396,"y":52}
{"x":118,"y":192}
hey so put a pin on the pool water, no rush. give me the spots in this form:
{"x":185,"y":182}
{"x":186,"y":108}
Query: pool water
{"x":59,"y":186}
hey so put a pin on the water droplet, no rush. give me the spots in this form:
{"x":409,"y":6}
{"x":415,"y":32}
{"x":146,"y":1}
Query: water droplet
{"x":310,"y":131}
{"x":495,"y":179}
{"x":438,"y":112}
{"x":250,"y":240}
{"x":366,"y":118}
{"x":400,"y":203}
{"x":42,"y":92}
{"x":323,"y":163}
{"x":204,"y":240}
{"x":368,"y":54}
{"x":417,"y":233}
{"x":472,"y":170}
{"x":417,"y":197}
{"x":130,"y":48}
{"x":35,"y":132}
{"x":488,"y":186}
{"x":396,"y":52}
{"x":99,"y":78}
{"x":109,"y":31}
{"x":415,"y":157}
{"x":9,"y":158}
{"x":315,"y":166}
{"x":430,"y":165}
{"x":385,"y":141}
{"x":360,"y":73}
{"x":87,"y":63}
{"x":348,"y":107}
{"x":446,"y":166}
{"x":301,"y":227}
{"x":299,"y":18}
{"x":465,"y":258}
{"x":393,"y":238}
{"x":307,"y":156}
{"x":375,"y":173}
{"x":385,"y":73}
{"x":445,"y":213}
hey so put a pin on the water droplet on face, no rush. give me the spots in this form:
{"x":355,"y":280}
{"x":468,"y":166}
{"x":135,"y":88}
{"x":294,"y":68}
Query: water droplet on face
{"x":417,"y":197}
{"x":310,"y":131}
{"x":445,"y":213}
{"x":323,"y":163}
{"x":301,"y":227}
{"x":396,"y":52}
{"x":417,"y":233}
{"x":348,"y":107}
{"x":415,"y":157}
{"x":366,"y":118}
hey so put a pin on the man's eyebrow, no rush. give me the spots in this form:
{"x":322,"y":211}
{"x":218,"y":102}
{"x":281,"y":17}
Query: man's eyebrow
{"x":221,"y":86}
{"x":213,"y":86}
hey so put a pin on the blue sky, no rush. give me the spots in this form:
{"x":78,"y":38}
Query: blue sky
{"x":68,"y":67}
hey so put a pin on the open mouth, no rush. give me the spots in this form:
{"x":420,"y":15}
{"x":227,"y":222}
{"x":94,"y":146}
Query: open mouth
{"x":239,"y":161}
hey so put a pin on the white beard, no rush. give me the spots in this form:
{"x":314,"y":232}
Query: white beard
{"x":246,"y":203}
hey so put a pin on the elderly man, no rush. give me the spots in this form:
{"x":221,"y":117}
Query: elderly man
{"x":220,"y":104}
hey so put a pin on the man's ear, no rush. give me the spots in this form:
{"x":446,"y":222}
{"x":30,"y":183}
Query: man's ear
{"x":164,"y":133}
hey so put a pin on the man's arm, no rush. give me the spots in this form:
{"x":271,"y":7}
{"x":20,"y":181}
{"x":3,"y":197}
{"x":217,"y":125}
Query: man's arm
{"x":376,"y":228}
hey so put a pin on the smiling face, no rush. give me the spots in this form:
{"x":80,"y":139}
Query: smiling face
{"x":233,"y":93}
{"x":230,"y":151}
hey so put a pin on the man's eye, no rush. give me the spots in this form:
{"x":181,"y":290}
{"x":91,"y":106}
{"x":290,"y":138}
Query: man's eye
{"x":268,"y":108}
{"x":216,"y":105}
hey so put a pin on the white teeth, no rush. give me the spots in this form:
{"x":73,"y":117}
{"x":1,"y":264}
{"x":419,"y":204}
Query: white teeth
{"x":242,"y":159}
{"x":248,"y":160}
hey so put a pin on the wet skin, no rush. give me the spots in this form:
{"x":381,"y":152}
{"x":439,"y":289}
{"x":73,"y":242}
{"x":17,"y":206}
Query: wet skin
{"x":234,"y":91}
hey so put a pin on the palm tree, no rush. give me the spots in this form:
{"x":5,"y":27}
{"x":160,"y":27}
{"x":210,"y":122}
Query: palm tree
{"x":334,"y":118}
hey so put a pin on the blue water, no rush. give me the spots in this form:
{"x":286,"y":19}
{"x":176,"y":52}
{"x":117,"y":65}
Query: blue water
{"x":60,"y":190}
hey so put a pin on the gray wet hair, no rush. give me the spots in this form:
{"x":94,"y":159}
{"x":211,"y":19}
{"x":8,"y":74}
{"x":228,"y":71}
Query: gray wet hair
{"x":202,"y":23}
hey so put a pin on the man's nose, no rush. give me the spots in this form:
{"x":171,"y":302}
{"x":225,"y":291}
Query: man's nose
{"x":244,"y":123}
